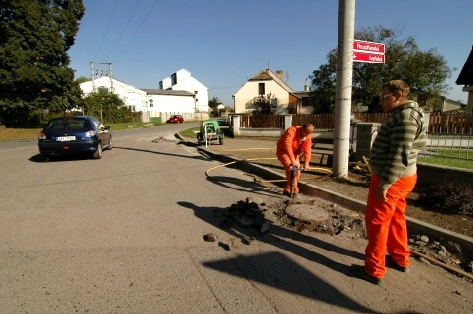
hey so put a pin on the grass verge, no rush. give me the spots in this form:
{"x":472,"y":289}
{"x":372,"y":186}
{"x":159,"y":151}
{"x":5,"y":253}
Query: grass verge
{"x":7,"y":134}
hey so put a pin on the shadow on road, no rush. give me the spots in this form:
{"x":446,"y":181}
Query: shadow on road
{"x":276,"y":269}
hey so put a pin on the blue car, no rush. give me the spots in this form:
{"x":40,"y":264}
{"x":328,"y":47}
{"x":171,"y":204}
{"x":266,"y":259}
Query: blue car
{"x":74,"y":135}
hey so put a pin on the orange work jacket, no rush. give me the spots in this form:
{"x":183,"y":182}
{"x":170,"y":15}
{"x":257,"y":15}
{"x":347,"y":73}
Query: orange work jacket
{"x":292,"y":144}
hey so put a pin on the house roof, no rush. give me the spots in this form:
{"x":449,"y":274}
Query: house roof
{"x":267,"y":75}
{"x":466,"y":74}
{"x":303,"y":94}
{"x":169,"y":92}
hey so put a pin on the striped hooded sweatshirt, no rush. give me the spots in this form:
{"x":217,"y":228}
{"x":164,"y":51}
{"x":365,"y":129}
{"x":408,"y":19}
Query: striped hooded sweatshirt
{"x":398,"y":143}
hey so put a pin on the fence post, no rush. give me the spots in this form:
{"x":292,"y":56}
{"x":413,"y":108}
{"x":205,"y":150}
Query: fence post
{"x":145,"y":117}
{"x":365,"y":135}
{"x":426,"y":121}
{"x":287,"y":121}
{"x":236,"y":125}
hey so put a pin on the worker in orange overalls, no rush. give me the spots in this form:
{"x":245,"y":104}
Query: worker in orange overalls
{"x":295,"y":141}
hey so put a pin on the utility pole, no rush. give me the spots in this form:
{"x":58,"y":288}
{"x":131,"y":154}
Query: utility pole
{"x":99,"y":72}
{"x":341,"y":142}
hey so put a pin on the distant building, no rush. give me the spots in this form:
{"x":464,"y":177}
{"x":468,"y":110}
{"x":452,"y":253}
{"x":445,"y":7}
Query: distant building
{"x":184,"y":95}
{"x":270,"y":86}
{"x":266,"y":86}
{"x":133,"y":97}
{"x":170,"y":101}
{"x":182,"y":80}
{"x":465,"y":78}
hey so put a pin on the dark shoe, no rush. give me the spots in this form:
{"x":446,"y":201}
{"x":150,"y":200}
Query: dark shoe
{"x":392,"y":264}
{"x":361,"y":273}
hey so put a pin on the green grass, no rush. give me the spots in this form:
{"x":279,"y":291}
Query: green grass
{"x":132,"y":125}
{"x":21,"y":134}
{"x":450,"y":158}
{"x":190,"y":132}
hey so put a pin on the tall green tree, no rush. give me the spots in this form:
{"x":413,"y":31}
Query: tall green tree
{"x":426,"y":72}
{"x":213,"y":105}
{"x":35,"y":37}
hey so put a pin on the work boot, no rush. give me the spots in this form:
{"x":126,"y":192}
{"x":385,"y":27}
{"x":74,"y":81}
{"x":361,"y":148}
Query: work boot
{"x":361,"y":273}
{"x":392,"y":264}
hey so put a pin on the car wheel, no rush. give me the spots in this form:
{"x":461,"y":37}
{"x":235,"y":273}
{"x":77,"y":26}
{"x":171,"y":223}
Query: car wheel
{"x":110,"y":144}
{"x":200,"y":140}
{"x":98,"y":151}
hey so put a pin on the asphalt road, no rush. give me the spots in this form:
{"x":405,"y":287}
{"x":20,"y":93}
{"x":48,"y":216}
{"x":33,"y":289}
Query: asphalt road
{"x":124,"y":235}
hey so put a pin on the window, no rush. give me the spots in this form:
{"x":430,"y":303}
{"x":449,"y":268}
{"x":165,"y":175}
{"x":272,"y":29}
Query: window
{"x":174,"y":79}
{"x":102,"y":89}
{"x":261,"y":89}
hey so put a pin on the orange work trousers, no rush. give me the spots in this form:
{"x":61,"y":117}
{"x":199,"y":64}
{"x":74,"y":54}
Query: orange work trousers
{"x":286,"y":162}
{"x":386,"y":226}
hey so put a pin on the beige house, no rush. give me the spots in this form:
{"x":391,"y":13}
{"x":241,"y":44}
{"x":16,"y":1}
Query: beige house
{"x":270,"y":86}
{"x":265,"y":85}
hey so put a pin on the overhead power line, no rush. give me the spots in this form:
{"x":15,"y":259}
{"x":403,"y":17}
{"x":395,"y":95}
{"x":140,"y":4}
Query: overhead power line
{"x":138,"y":29}
{"x":106,"y":30}
{"x":124,"y":29}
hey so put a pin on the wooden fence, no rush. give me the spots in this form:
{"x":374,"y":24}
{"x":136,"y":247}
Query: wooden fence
{"x":456,"y":123}
{"x":439,"y":122}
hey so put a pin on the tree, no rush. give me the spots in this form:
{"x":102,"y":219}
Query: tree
{"x":106,"y":106}
{"x":213,"y":105}
{"x":424,"y":71}
{"x":82,"y":79}
{"x":34,"y":65}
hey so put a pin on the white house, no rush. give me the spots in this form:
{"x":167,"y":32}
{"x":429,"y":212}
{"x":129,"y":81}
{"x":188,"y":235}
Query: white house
{"x":173,"y":101}
{"x":182,"y":80}
{"x":264,"y":85}
{"x":152,"y":101}
{"x":133,"y":97}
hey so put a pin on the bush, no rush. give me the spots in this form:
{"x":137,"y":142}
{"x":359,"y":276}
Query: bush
{"x":449,"y":198}
{"x":362,"y":168}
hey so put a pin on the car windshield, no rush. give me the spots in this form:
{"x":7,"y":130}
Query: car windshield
{"x":68,"y":124}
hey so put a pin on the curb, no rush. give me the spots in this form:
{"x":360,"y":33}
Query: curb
{"x":415,"y":226}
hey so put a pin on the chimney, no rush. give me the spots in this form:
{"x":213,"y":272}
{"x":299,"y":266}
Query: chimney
{"x":306,"y":87}
{"x":279,"y":74}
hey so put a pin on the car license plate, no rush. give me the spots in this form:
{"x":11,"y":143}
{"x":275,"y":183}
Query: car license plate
{"x":65,"y":138}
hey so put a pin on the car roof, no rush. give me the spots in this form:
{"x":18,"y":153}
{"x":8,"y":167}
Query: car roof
{"x":73,"y":117}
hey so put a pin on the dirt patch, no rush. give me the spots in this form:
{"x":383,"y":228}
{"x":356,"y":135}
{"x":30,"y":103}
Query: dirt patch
{"x":259,"y":216}
{"x":349,"y":224}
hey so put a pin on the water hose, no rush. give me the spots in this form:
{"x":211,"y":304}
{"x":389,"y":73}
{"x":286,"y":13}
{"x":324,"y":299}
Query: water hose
{"x":443,"y":265}
{"x":327,"y":172}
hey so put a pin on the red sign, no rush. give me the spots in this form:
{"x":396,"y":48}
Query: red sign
{"x":368,"y":57}
{"x":367,"y":46}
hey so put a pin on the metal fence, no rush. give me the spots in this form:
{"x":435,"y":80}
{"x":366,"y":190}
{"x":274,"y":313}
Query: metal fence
{"x":438,"y":122}
{"x":448,"y":148}
{"x":449,"y":137}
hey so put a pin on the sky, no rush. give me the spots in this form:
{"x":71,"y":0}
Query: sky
{"x":223,"y":43}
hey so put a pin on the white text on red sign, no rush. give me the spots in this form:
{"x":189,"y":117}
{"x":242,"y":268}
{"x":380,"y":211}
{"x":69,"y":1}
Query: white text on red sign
{"x":367,"y":46}
{"x":368,"y":57}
